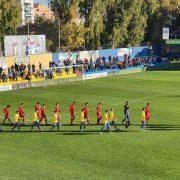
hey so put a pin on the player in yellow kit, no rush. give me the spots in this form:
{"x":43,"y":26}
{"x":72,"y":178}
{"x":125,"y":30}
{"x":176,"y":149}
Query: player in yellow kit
{"x":16,"y":122}
{"x":106,"y":122}
{"x":56,"y":121}
{"x":35,"y":121}
{"x":112,"y":119}
{"x":82,"y":121}
{"x":143,"y":118}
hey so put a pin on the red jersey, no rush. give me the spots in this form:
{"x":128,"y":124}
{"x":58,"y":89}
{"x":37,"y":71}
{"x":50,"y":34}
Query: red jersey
{"x":36,"y":107}
{"x":21,"y":111}
{"x":98,"y":110}
{"x":39,"y":113}
{"x":86,"y":110}
{"x":147,"y":111}
{"x":72,"y":108}
{"x":43,"y":111}
{"x":6,"y":111}
{"x":56,"y":109}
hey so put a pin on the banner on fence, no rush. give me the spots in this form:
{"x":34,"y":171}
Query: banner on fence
{"x":67,"y":55}
{"x":89,"y":54}
{"x":3,"y":62}
{"x":5,"y":87}
{"x":95,"y":75}
{"x":165,"y":33}
{"x":20,"y":86}
{"x":20,"y":45}
{"x":22,"y":60}
{"x":123,"y":51}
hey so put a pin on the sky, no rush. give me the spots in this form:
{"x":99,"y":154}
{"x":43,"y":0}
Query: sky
{"x":45,"y":2}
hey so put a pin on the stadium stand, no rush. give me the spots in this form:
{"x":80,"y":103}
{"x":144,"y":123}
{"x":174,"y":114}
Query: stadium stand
{"x":23,"y":73}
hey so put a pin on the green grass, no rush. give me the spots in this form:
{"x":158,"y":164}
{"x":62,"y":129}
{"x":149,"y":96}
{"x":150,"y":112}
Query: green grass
{"x":154,"y":154}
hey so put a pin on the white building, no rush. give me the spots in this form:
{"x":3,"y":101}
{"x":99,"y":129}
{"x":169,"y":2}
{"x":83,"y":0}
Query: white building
{"x":27,"y":11}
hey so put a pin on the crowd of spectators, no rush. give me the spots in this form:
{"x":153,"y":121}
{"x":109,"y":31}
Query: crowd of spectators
{"x":20,"y":70}
{"x":102,"y":63}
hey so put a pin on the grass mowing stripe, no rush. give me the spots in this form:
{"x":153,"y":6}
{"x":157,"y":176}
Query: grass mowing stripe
{"x":153,"y":154}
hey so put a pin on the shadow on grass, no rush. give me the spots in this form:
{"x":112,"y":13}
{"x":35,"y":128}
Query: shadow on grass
{"x":174,"y":96}
{"x":149,"y":127}
{"x":166,"y":129}
{"x":74,"y":125}
{"x":163,"y":127}
{"x":69,"y":132}
{"x":97,"y":132}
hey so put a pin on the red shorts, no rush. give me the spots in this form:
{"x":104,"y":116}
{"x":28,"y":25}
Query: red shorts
{"x":43,"y":116}
{"x":99,"y":116}
{"x":147,"y":117}
{"x":86,"y":116}
{"x":21,"y":115}
{"x":6,"y":115}
{"x":72,"y":114}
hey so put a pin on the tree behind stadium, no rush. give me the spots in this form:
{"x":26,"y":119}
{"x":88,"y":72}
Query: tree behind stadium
{"x":115,"y":23}
{"x":71,"y":23}
{"x":9,"y":18}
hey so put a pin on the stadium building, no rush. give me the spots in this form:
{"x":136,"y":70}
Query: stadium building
{"x":43,"y":11}
{"x":27,"y":12}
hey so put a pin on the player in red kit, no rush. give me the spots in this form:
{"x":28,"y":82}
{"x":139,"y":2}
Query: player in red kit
{"x":72,"y":112}
{"x":86,"y":112}
{"x":21,"y":113}
{"x":36,"y":107}
{"x":7,"y":114}
{"x":99,"y":113}
{"x":43,"y":114}
{"x":147,"y":112}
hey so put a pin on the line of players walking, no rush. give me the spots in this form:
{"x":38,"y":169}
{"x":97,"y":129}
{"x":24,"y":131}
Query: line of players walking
{"x":109,"y":119}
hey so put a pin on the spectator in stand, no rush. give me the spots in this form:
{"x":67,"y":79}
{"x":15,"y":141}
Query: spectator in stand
{"x":16,"y":67}
{"x":100,"y":64}
{"x":4,"y":77}
{"x":40,"y":66}
{"x":50,"y":64}
{"x":15,"y":71}
{"x":33,"y":68}
{"x":29,"y":67}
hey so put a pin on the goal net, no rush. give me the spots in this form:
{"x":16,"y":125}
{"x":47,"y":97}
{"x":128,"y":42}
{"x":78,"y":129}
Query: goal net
{"x":59,"y":75}
{"x":64,"y":74}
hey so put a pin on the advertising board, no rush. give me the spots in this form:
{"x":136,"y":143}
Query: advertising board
{"x":94,"y":75}
{"x":24,"y":45}
{"x":5,"y":87}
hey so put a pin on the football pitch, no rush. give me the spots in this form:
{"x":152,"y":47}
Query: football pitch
{"x":69,"y":154}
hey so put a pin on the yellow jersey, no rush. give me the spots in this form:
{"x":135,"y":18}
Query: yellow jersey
{"x":143,"y":115}
{"x":82,"y":117}
{"x":16,"y":118}
{"x":111,"y":116}
{"x":105,"y":118}
{"x":56,"y":118}
{"x":35,"y":117}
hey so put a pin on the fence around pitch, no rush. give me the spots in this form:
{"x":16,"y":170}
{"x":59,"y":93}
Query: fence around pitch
{"x":49,"y":82}
{"x":59,"y":75}
{"x":61,"y":80}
